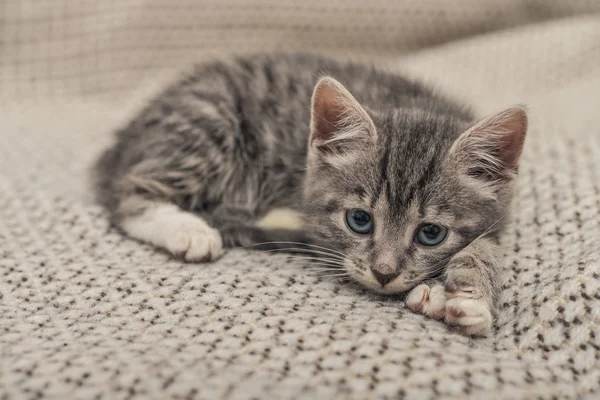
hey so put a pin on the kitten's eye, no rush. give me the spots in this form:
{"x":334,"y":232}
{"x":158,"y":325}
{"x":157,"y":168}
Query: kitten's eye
{"x":359,"y":221}
{"x":431,"y":234}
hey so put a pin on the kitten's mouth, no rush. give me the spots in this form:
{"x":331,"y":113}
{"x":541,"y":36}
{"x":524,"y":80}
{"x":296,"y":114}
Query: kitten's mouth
{"x":387,"y":285}
{"x":392,"y":288}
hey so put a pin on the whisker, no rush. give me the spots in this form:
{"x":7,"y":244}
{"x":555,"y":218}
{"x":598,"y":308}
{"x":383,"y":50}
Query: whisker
{"x":309,"y":251}
{"x":321,"y":265}
{"x":302,"y":245}
{"x":317,"y":259}
{"x":331,"y":273}
{"x":333,"y":278}
{"x":488,"y":229}
{"x":323,"y":270}
{"x":335,"y":272}
{"x":308,"y":255}
{"x":329,"y":264}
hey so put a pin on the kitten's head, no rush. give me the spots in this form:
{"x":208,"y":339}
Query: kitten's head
{"x":400,"y":192}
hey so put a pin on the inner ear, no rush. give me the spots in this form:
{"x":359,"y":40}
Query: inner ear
{"x":491,"y":149}
{"x":337,"y":119}
{"x":329,"y":113}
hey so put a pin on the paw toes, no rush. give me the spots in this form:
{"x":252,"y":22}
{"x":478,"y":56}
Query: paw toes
{"x":216,"y":245}
{"x":417,"y":297}
{"x":198,"y":250}
{"x":205,"y":246}
{"x":454,"y":312}
{"x":450,"y":287}
{"x":436,"y":307}
{"x":428,"y":301}
{"x":178,"y":242}
{"x":470,"y":316}
{"x":454,"y":289}
{"x":195,"y":242}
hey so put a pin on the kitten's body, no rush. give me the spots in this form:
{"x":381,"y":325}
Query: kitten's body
{"x":230,"y":140}
{"x":230,"y":143}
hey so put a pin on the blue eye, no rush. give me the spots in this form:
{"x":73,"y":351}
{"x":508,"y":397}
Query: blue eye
{"x":431,"y":234}
{"x":359,"y":221}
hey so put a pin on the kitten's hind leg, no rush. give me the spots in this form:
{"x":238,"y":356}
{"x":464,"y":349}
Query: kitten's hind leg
{"x":265,"y":239}
{"x":279,"y":229}
{"x":167,"y":226}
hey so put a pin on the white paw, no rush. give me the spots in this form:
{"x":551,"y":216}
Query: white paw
{"x":181,"y":233}
{"x":470,"y":316}
{"x":428,"y":301}
{"x":193,"y":239}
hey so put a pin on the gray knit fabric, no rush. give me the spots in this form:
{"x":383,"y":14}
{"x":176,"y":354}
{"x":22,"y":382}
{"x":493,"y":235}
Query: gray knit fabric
{"x":86,"y":313}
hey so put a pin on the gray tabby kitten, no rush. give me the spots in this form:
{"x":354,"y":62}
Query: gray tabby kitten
{"x":396,"y":185}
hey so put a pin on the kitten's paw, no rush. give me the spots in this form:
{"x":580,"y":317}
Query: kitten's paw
{"x":454,"y":290}
{"x":428,"y":301}
{"x":471,"y":316}
{"x":194,"y":240}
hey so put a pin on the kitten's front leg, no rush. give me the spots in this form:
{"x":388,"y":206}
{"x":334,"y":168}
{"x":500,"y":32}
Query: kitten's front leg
{"x":471,"y":283}
{"x":167,"y":226}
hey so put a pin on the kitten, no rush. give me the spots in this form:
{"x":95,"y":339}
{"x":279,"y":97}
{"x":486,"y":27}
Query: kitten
{"x":396,"y":185}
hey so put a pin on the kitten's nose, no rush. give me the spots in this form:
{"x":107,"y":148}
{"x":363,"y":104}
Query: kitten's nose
{"x":384,"y":273}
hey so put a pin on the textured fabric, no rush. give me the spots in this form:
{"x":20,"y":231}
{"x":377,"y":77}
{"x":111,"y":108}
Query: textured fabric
{"x":86,"y":313}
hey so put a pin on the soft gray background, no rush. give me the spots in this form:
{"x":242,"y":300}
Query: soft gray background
{"x":85,"y":313}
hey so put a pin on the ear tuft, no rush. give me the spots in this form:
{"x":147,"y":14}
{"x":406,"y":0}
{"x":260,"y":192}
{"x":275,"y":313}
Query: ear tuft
{"x":491,"y":149}
{"x":337,"y":119}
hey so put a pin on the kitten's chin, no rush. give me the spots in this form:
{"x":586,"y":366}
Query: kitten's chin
{"x":391,"y":288}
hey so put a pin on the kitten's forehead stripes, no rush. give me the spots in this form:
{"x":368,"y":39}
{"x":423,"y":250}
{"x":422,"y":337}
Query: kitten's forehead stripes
{"x":405,"y":173}
{"x":383,"y":164}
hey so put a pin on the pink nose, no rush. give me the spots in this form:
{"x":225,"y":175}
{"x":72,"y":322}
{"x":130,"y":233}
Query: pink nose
{"x":384,"y":273}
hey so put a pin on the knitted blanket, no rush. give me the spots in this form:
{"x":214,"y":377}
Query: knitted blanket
{"x":86,"y":313}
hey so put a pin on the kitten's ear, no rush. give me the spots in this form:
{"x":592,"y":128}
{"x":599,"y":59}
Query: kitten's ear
{"x":491,"y":149}
{"x":338,"y":120}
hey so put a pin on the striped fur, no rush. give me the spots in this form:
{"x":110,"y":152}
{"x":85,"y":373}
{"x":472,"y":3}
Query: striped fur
{"x":232,"y":141}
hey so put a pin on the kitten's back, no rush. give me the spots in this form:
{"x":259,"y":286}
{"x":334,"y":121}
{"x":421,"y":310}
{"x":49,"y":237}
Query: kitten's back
{"x":229,"y":140}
